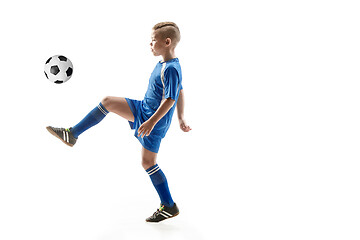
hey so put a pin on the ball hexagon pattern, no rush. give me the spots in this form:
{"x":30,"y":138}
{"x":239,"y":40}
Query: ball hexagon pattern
{"x":58,"y":69}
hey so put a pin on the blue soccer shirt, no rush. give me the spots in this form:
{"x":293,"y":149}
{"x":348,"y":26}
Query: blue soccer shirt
{"x":165,"y":82}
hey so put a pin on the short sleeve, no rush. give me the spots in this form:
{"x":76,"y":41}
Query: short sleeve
{"x":171,"y":83}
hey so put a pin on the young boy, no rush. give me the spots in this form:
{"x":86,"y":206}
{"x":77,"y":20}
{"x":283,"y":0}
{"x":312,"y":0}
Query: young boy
{"x":150,"y":117}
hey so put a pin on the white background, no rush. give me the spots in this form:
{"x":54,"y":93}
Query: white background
{"x":272,"y":95}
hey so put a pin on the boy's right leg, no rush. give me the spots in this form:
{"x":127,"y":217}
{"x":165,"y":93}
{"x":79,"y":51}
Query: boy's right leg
{"x":117,"y":105}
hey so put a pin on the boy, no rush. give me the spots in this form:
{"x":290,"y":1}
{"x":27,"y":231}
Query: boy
{"x":150,"y":117}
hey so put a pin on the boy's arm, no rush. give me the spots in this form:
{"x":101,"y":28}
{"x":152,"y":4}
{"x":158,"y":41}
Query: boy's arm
{"x":180,"y":105}
{"x":146,"y":128}
{"x":180,"y":112}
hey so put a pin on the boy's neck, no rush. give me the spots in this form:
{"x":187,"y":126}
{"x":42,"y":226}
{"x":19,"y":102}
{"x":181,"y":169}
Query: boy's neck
{"x":168,"y":56}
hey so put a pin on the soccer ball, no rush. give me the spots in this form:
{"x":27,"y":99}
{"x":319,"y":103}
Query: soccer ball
{"x":58,"y":69}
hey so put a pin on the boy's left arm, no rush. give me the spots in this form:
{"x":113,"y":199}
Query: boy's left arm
{"x":146,"y":128}
{"x":180,"y":112}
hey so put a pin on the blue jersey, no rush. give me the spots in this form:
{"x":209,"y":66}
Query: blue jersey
{"x":165,"y":82}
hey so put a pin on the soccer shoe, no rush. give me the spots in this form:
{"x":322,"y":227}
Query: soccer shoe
{"x":63,"y":134}
{"x":163,"y":213}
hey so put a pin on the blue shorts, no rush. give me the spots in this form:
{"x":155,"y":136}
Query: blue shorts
{"x":151,"y":142}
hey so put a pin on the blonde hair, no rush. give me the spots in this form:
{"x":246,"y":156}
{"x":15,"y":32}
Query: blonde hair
{"x":168,"y":30}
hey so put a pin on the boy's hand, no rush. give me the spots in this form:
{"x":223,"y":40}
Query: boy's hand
{"x":146,"y":128}
{"x":184,"y":126}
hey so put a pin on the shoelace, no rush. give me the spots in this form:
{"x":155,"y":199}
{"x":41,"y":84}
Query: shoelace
{"x":59,"y":130}
{"x":158,"y":211}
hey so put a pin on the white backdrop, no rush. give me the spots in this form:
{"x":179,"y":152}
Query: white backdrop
{"x":272,"y":95}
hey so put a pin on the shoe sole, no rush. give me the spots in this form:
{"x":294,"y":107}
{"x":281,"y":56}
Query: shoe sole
{"x":165,"y":218}
{"x":54,"y":133}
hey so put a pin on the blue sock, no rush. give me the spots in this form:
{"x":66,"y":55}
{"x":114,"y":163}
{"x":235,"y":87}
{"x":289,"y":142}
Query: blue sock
{"x":160,"y":183}
{"x":93,"y":118}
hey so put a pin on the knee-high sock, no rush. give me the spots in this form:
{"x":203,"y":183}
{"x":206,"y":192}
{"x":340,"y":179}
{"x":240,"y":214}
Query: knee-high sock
{"x":93,"y":118}
{"x":160,"y":183}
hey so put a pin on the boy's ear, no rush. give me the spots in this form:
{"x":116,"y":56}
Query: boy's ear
{"x":168,"y":41}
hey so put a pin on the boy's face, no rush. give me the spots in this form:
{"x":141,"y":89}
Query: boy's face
{"x":158,"y":43}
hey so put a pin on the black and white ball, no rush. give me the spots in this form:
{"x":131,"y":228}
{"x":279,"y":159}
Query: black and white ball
{"x":58,"y":69}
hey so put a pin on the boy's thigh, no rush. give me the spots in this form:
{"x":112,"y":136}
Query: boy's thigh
{"x":119,"y":106}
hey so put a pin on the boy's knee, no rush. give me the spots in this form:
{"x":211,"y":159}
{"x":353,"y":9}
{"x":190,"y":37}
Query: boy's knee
{"x":106,"y":102}
{"x":147,"y":163}
{"x":148,"y":158}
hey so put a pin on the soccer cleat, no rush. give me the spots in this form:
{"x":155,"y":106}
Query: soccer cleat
{"x":63,"y":134}
{"x":163,"y":213}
